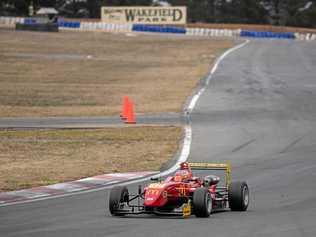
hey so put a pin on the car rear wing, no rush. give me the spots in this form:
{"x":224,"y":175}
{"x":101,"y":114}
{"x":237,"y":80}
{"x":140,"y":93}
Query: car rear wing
{"x":214,"y":166}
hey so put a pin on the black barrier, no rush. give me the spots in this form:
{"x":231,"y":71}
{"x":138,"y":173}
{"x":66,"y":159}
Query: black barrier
{"x":48,"y":27}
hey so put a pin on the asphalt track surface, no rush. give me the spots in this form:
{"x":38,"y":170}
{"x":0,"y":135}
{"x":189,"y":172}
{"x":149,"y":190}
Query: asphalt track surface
{"x":259,"y":111}
{"x":89,"y":122}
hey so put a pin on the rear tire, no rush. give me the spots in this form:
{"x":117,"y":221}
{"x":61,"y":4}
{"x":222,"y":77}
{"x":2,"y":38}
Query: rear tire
{"x":238,"y":196}
{"x":202,"y":203}
{"x":118,"y":196}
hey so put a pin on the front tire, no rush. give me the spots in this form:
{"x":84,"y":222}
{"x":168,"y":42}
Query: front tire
{"x":238,"y":196}
{"x":202,"y":203}
{"x":118,"y":196}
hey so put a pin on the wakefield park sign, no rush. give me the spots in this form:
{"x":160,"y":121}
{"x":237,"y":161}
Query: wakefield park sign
{"x":145,"y":15}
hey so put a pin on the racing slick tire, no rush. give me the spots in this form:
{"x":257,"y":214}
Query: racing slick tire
{"x":202,"y":202}
{"x":238,"y":196}
{"x":118,"y":196}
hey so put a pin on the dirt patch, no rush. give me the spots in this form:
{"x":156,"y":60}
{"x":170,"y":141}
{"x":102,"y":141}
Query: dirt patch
{"x":30,"y":158}
{"x":74,"y":74}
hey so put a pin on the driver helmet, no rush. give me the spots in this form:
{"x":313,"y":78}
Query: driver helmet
{"x":184,"y":166}
{"x":184,"y":173}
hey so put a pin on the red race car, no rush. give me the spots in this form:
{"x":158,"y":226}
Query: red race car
{"x":183,"y":194}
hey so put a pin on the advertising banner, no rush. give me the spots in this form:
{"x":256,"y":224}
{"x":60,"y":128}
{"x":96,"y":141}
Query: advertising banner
{"x":145,"y":15}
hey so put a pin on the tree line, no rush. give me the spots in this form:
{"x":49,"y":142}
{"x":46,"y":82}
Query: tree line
{"x":276,"y":12}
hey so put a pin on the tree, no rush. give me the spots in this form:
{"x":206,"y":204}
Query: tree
{"x":15,"y":7}
{"x":305,"y":16}
{"x":285,"y":12}
{"x":247,"y":12}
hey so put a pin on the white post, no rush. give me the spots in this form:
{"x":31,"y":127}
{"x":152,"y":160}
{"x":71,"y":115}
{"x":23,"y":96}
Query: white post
{"x":308,"y":36}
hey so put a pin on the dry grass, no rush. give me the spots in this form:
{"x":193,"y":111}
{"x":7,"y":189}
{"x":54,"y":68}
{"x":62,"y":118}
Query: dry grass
{"x":31,"y":158}
{"x":47,"y":74}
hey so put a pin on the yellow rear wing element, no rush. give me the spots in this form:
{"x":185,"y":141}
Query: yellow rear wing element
{"x":214,"y":166}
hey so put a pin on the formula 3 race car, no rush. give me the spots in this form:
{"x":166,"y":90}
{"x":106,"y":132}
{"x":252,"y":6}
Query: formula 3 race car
{"x":183,"y":194}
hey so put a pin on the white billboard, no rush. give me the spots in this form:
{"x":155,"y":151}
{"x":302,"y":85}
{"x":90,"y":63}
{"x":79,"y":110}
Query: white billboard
{"x":145,"y":15}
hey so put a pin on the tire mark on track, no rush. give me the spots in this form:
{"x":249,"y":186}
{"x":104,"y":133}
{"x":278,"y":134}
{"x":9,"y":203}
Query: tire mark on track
{"x":243,"y":145}
{"x":288,"y":147}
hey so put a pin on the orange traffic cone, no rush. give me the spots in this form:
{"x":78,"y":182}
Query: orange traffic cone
{"x":125,"y":107}
{"x":130,"y":119}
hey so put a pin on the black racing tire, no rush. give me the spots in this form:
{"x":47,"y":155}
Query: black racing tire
{"x":118,"y":195}
{"x":202,"y":202}
{"x":238,"y":196}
